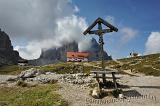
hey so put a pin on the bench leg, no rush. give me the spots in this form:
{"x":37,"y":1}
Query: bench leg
{"x":97,"y":79}
{"x":104,"y":79}
{"x":114,"y":80}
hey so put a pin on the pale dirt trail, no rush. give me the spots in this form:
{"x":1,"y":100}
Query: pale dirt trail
{"x":141,"y":85}
{"x":4,"y":78}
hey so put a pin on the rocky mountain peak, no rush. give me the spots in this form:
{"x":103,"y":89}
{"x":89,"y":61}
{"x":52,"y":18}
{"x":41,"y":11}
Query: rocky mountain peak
{"x":7,"y":55}
{"x":95,"y":52}
{"x":53,"y":55}
{"x":5,"y":42}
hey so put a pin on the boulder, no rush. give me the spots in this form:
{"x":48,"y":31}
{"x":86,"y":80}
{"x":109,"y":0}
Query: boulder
{"x":12,"y":78}
{"x":29,"y":73}
{"x":49,"y":73}
{"x":78,"y":79}
{"x":43,"y":80}
{"x":96,"y":93}
{"x":121,"y":96}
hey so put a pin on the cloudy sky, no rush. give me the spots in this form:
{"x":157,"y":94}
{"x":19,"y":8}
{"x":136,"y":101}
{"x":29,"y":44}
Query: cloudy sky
{"x":36,"y":24}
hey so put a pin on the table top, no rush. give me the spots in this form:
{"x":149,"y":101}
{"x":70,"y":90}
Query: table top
{"x":105,"y":71}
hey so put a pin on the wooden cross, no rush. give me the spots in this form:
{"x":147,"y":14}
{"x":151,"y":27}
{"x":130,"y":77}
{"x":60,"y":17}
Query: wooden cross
{"x":100,"y":32}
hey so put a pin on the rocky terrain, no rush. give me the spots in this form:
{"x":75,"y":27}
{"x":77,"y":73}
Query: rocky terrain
{"x":138,"y":90}
{"x":37,"y":76}
{"x":8,"y":56}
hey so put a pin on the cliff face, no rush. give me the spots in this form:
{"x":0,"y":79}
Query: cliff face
{"x":55,"y":55}
{"x":5,"y":42}
{"x":7,"y":55}
{"x":95,"y":53}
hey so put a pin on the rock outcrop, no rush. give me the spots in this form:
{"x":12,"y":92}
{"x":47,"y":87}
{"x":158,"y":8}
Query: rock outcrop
{"x":29,"y":73}
{"x":96,"y":93}
{"x":7,"y":55}
{"x":37,"y":76}
{"x":95,"y":53}
{"x":54,"y":55}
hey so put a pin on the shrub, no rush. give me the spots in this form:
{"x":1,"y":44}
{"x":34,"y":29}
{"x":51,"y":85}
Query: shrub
{"x":116,"y":92}
{"x":21,"y":83}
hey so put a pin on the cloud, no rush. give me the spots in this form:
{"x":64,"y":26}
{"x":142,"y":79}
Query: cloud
{"x":68,"y":29}
{"x":153,"y":43}
{"x":76,"y":9}
{"x":30,"y":51}
{"x":42,"y":23}
{"x":84,"y":44}
{"x":117,"y":41}
{"x":32,"y":19}
{"x":128,"y":34}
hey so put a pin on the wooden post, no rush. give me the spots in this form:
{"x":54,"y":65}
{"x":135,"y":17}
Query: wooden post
{"x":101,"y":45}
{"x":100,"y":32}
{"x":97,"y":78}
{"x":114,"y":80}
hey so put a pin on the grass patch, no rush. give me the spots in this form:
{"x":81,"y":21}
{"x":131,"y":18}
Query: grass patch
{"x":149,"y":71}
{"x":59,"y":68}
{"x":111,"y":63}
{"x":138,"y":64}
{"x":9,"y":69}
{"x":12,"y":69}
{"x":143,"y":64}
{"x":67,"y":68}
{"x":43,"y":95}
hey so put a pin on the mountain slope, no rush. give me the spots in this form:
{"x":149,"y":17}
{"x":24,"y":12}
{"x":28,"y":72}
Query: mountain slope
{"x":54,"y":55}
{"x":8,"y":56}
{"x":95,"y":53}
{"x":148,"y":64}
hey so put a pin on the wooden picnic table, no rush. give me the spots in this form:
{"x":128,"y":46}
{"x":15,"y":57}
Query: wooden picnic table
{"x":99,"y":74}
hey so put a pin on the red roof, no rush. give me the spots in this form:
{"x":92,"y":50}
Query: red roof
{"x":77,"y":54}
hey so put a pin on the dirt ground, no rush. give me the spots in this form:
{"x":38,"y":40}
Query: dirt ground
{"x":138,"y":90}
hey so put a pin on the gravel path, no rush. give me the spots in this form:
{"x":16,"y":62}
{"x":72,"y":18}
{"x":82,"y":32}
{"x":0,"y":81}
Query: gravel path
{"x":144,"y":91}
{"x":135,"y":86}
{"x":4,"y":78}
{"x":73,"y":94}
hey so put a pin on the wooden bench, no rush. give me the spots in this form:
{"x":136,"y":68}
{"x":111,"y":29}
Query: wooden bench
{"x":102,"y":74}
